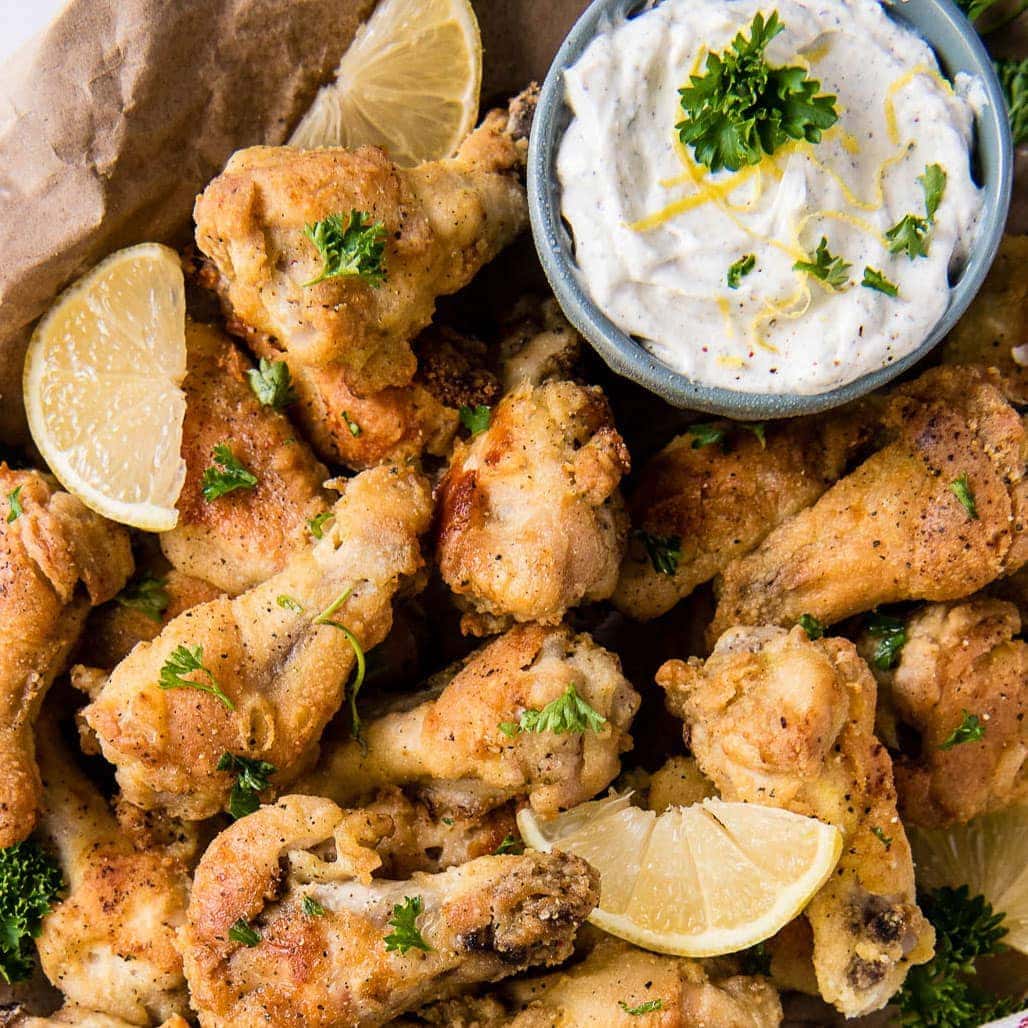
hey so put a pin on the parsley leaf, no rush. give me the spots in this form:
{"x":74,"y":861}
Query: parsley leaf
{"x":229,"y":475}
{"x":739,"y":269}
{"x":909,"y":236}
{"x":475,"y":419}
{"x":14,"y":504}
{"x":874,"y":279}
{"x":316,"y":524}
{"x":288,"y":603}
{"x":568,"y":714}
{"x":1013,"y":77}
{"x":184,"y":660}
{"x":510,"y":844}
{"x":147,"y":594}
{"x":244,"y":933}
{"x":311,"y":907}
{"x":353,"y":246}
{"x":933,"y":184}
{"x":251,"y":780}
{"x":885,"y":840}
{"x":30,"y":882}
{"x":664,"y":551}
{"x":741,"y":109}
{"x":833,"y":271}
{"x":810,"y":624}
{"x":351,"y":425}
{"x":892,"y":637}
{"x":643,"y":1008}
{"x":325,"y":618}
{"x":405,"y":934}
{"x":970,"y":729}
{"x":705,"y":434}
{"x":758,"y":428}
{"x":271,"y":384}
{"x":961,"y":489}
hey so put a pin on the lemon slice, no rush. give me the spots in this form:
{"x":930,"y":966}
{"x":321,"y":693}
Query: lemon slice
{"x":102,"y":377}
{"x":990,"y":856}
{"x":409,"y":82}
{"x":693,"y":881}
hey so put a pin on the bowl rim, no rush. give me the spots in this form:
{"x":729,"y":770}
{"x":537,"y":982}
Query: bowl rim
{"x":626,"y":356}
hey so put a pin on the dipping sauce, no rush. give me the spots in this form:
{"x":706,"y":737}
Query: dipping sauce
{"x":656,"y":232}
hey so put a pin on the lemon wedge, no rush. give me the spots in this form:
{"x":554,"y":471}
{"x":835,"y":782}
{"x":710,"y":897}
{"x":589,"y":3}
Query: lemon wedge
{"x":990,"y":856}
{"x":409,"y":83}
{"x":693,"y":881}
{"x":102,"y":377}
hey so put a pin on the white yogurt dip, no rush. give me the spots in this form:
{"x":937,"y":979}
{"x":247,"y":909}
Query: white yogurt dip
{"x":655,"y":232}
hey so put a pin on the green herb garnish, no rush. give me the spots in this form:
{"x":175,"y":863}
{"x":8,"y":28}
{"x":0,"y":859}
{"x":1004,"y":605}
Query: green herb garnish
{"x":405,"y":934}
{"x":251,"y":780}
{"x":874,"y":279}
{"x":288,"y":603}
{"x":891,"y":634}
{"x":961,"y":489}
{"x":933,"y":185}
{"x":1013,"y":77}
{"x":739,"y":269}
{"x":226,"y":476}
{"x":30,"y":882}
{"x":758,"y":428}
{"x":271,"y":384}
{"x":475,"y":419}
{"x":351,"y":425}
{"x":970,"y":729}
{"x":316,"y":524}
{"x":510,"y":844}
{"x":326,"y":617}
{"x":664,"y":551}
{"x":833,"y":271}
{"x":810,"y":624}
{"x":974,"y":9}
{"x":909,"y":236}
{"x":311,"y":907}
{"x":14,"y":505}
{"x":569,"y":714}
{"x":705,"y":433}
{"x":885,"y":840}
{"x":643,"y":1008}
{"x":350,"y":246}
{"x":244,"y":933}
{"x":184,"y":660}
{"x":147,"y":594}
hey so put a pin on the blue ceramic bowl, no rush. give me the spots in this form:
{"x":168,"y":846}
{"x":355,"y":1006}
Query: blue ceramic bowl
{"x":958,"y":48}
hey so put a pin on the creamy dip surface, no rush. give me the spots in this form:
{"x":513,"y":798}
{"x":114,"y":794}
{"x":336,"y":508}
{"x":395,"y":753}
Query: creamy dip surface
{"x":655,"y":232}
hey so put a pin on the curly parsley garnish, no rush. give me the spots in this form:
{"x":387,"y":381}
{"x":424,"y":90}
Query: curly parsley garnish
{"x":251,"y":780}
{"x":643,"y":1008}
{"x":349,"y":246}
{"x":326,"y":617}
{"x":664,"y":551}
{"x":831,"y":270}
{"x":147,"y":594}
{"x":475,"y":419}
{"x":741,"y":109}
{"x":970,"y":729}
{"x":1013,"y":77}
{"x":891,"y":634}
{"x":405,"y":934}
{"x":311,"y":907}
{"x":961,"y":489}
{"x":244,"y":933}
{"x":14,"y":510}
{"x":815,"y":629}
{"x":227,"y":474}
{"x":271,"y":384}
{"x":739,"y":269}
{"x":874,"y":279}
{"x":184,"y":660}
{"x":568,"y":714}
{"x":30,"y":882}
{"x":316,"y":524}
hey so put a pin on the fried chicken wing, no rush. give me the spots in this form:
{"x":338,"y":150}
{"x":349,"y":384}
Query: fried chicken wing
{"x":81,"y":1017}
{"x":282,"y":672}
{"x":994,"y":329}
{"x":242,"y":538}
{"x":775,"y":718}
{"x":716,"y":503}
{"x":539,"y":345}
{"x":960,"y":658}
{"x":443,"y":221}
{"x":109,"y":944}
{"x":479,"y":922}
{"x":57,"y":558}
{"x":937,"y":514}
{"x":451,"y":747}
{"x":530,"y":521}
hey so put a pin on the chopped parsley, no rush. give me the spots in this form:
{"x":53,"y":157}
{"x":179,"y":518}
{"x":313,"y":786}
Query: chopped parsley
{"x":30,"y":882}
{"x":891,"y":634}
{"x":251,"y":780}
{"x":825,"y":267}
{"x":316,"y":524}
{"x":288,"y":603}
{"x":312,"y":908}
{"x":352,"y":427}
{"x":405,"y":934}
{"x":961,"y":489}
{"x":184,"y":660}
{"x":970,"y":729}
{"x":475,"y":419}
{"x":1013,"y":77}
{"x":874,"y":279}
{"x":885,"y":840}
{"x":933,"y":185}
{"x":739,"y":269}
{"x":568,"y":714}
{"x":326,"y":618}
{"x":741,"y":108}
{"x":510,"y":844}
{"x":271,"y":384}
{"x":244,"y":933}
{"x":226,"y":475}
{"x":664,"y":551}
{"x":349,"y":246}
{"x":643,"y":1008}
{"x":147,"y":594}
{"x":909,"y":236}
{"x":14,"y":510}
{"x":815,"y":629}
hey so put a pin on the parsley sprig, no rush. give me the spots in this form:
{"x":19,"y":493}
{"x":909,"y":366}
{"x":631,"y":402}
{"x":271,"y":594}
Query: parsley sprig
{"x":825,"y":267}
{"x":664,"y":551}
{"x":404,"y":922}
{"x":148,"y":594}
{"x":251,"y":780}
{"x":970,"y":729}
{"x":911,"y":233}
{"x":350,"y":245}
{"x":741,"y":109}
{"x":271,"y":384}
{"x":814,"y":628}
{"x":891,"y":634}
{"x":568,"y":714}
{"x":1013,"y":77}
{"x":244,"y":933}
{"x":184,"y":660}
{"x":30,"y":883}
{"x":226,"y":474}
{"x":874,"y":279}
{"x":475,"y":419}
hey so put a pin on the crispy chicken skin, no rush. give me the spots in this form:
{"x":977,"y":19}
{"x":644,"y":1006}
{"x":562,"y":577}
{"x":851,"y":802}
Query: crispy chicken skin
{"x":994,"y":330}
{"x":530,"y":521}
{"x":720,"y":503}
{"x":80,"y":1017}
{"x":450,"y":745}
{"x":57,"y":558}
{"x":109,"y":944}
{"x":960,"y":657}
{"x":483,"y":921}
{"x":894,"y":529}
{"x":285,"y":674}
{"x":242,"y":538}
{"x":540,"y":344}
{"x":444,"y":220}
{"x":775,"y":718}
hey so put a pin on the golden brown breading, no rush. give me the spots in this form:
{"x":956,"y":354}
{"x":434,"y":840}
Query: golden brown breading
{"x":678,"y":782}
{"x":80,"y":1017}
{"x":960,"y":657}
{"x":775,"y":718}
{"x":56,"y":559}
{"x":109,"y":944}
{"x":539,"y":344}
{"x":284,"y":673}
{"x":529,"y":520}
{"x":481,"y":922}
{"x":720,"y":502}
{"x":443,"y":220}
{"x":244,"y":537}
{"x":450,"y":745}
{"x":894,"y":529}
